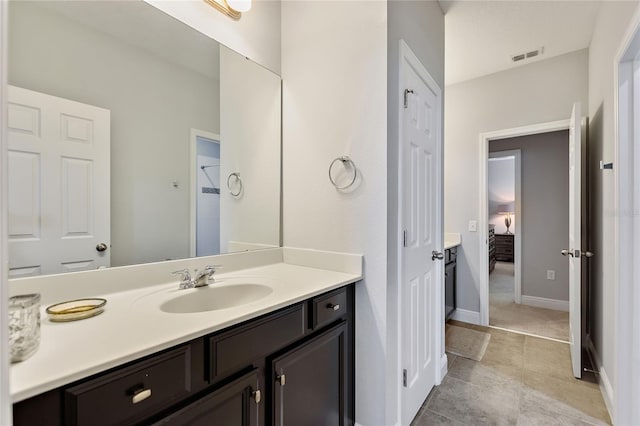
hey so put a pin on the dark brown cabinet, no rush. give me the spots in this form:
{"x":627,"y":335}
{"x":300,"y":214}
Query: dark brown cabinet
{"x":235,"y":404}
{"x":450,"y":281}
{"x":293,"y":366}
{"x":492,"y":247}
{"x":303,"y":393}
{"x":504,"y":247}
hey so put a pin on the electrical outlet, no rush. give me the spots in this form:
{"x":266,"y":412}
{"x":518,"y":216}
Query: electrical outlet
{"x":473,"y":226}
{"x":551,"y":275}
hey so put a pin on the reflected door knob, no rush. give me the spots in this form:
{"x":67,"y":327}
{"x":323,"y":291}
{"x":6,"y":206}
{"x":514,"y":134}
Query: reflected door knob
{"x":437,"y":255}
{"x":101,"y":247}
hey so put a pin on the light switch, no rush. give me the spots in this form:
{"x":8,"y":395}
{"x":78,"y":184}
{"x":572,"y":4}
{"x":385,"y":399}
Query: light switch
{"x":473,"y":226}
{"x":551,"y":275}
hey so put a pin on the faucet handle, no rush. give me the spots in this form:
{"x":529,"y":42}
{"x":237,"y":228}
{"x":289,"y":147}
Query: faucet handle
{"x":210,"y":270}
{"x":185,"y":274}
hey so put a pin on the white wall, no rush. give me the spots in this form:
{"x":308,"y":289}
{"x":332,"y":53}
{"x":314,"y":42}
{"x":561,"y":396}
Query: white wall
{"x":421,"y":25}
{"x":536,"y":93}
{"x":611,"y":24}
{"x":334,"y":69}
{"x":153,"y":102}
{"x":256,"y":35}
{"x":250,"y":108}
{"x":544,"y":160}
{"x":5,"y":398}
{"x":502,"y":191}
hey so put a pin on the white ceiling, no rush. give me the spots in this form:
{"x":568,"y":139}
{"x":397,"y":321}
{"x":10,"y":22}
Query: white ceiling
{"x":482,"y":35}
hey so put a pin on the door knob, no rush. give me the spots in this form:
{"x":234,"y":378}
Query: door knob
{"x":101,"y":247}
{"x":567,"y":253}
{"x":437,"y":255}
{"x":587,"y":254}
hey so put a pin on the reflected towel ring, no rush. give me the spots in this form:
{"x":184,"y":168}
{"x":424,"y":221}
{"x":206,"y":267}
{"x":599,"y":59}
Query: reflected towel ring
{"x":238,"y":182}
{"x":344,"y":160}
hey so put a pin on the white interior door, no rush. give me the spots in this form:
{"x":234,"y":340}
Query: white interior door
{"x":421,"y":277}
{"x":59,"y":207}
{"x":575,"y":239}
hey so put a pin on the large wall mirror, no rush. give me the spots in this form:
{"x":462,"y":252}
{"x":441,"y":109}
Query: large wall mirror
{"x":133,"y":138}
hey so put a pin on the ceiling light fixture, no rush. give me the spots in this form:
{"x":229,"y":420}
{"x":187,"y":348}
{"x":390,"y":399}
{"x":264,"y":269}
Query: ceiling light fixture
{"x":231,"y":8}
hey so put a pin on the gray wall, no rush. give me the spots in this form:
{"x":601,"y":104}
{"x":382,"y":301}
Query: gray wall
{"x":540,"y":92}
{"x":421,"y":25}
{"x":153,"y":104}
{"x":545,"y":211}
{"x":611,"y":24}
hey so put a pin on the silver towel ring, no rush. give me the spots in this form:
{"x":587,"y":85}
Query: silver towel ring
{"x":344,"y":160}
{"x":238,"y":182}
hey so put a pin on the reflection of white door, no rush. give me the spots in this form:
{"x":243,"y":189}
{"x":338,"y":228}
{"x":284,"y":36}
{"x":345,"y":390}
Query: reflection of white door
{"x":575,"y":240}
{"x":59,"y":209}
{"x":420,"y":306}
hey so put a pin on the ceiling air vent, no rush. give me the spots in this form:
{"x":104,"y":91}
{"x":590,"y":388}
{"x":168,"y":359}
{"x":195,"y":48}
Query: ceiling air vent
{"x":528,"y":55}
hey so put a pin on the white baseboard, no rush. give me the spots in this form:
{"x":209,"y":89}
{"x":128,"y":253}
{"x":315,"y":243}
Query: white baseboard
{"x":444,"y":367}
{"x":605,"y":384}
{"x":463,"y":315}
{"x":541,"y":302}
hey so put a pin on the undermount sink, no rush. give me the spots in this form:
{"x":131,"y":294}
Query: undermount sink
{"x":213,"y":298}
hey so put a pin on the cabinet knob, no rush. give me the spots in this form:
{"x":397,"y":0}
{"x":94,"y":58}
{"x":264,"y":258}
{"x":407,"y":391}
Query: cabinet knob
{"x":257,"y":396}
{"x":141,"y":395}
{"x":331,"y":306}
{"x":282,"y":379}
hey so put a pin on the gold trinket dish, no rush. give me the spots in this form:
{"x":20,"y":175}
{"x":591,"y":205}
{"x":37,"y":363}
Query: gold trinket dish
{"x":74,"y":310}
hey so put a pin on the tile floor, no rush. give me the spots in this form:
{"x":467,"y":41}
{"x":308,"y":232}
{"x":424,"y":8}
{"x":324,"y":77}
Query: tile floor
{"x":505,"y":313}
{"x":521,"y":380}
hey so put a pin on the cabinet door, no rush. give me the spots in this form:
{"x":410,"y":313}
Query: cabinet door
{"x":449,"y":289}
{"x":235,"y":404}
{"x":310,"y":382}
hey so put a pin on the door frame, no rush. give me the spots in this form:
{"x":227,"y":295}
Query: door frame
{"x":626,"y":229}
{"x":193,"y":182}
{"x":408,"y":57}
{"x":483,"y":213}
{"x":5,"y":395}
{"x":517,"y":236}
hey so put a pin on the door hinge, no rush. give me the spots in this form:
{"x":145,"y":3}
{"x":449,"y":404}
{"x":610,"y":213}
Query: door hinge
{"x":406,"y":97}
{"x":404,"y":238}
{"x":404,"y":377}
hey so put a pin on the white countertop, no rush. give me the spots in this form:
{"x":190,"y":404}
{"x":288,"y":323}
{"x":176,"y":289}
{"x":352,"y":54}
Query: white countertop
{"x":133,"y":326}
{"x":452,"y":240}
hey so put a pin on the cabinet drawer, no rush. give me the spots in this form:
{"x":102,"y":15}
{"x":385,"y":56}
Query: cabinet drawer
{"x":329,"y":307}
{"x":236,"y":349}
{"x":132,"y":393}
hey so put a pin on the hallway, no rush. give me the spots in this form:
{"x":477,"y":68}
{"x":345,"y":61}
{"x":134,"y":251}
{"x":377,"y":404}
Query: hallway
{"x":521,"y":380}
{"x":505,"y":313}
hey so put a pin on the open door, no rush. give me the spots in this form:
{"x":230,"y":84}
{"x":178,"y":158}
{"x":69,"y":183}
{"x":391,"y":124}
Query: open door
{"x":574,"y":253}
{"x":421,"y":266}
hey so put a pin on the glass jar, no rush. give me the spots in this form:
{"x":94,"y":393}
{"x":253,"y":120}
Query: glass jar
{"x":24,"y":326}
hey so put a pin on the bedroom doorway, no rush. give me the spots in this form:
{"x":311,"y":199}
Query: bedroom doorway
{"x":527,"y":287}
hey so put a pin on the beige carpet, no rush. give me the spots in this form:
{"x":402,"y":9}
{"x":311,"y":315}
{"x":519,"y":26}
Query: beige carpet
{"x":465,"y":342}
{"x":505,"y":313}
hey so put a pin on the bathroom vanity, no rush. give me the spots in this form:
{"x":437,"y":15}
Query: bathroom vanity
{"x":285,"y":358}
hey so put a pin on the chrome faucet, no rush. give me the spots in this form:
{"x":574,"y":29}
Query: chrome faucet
{"x":201,"y":278}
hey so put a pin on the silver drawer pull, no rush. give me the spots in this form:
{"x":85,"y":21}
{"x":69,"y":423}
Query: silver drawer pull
{"x":141,"y":395}
{"x":282,"y":379}
{"x":332,"y":306}
{"x":257,"y":396}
